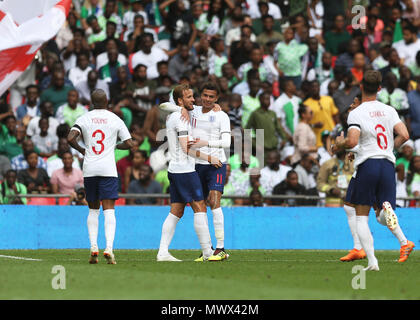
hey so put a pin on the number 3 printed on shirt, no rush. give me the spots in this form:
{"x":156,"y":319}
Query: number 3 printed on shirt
{"x":101,"y":135}
{"x":382,"y":143}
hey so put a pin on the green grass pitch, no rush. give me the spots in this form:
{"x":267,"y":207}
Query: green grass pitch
{"x":248,"y":274}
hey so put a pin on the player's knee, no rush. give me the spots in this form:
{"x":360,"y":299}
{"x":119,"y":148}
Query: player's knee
{"x":198,"y":206}
{"x":213,"y":201}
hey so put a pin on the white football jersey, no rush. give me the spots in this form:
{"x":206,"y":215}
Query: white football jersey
{"x":376,"y":122}
{"x":179,"y":161}
{"x":209,"y":127}
{"x":100,"y":130}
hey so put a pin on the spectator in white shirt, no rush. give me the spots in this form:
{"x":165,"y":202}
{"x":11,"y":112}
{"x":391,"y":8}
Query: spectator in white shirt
{"x":408,"y":47}
{"x":91,"y":83}
{"x":254,"y":11}
{"x":47,"y":111}
{"x":80,"y":71}
{"x":150,"y":55}
{"x":128,"y":18}
{"x":102,"y":59}
{"x":273,"y":173}
{"x":45,"y":141}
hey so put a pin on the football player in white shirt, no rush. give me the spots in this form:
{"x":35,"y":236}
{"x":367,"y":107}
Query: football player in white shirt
{"x":212,"y":130}
{"x":372,"y":126}
{"x":357,"y":252}
{"x":100,"y":129}
{"x":185,"y":186}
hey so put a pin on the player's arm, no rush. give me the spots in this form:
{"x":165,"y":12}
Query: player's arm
{"x":349,"y":142}
{"x":225,"y":135}
{"x":402,"y":134}
{"x":125,"y":145}
{"x":224,"y":142}
{"x":183,"y":141}
{"x":74,"y":133}
{"x":125,"y":136}
{"x":353,"y":134}
{"x":169,"y":107}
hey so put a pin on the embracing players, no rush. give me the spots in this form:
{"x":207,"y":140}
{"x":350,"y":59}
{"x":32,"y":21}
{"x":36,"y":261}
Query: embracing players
{"x":372,"y":126}
{"x":100,"y":130}
{"x":185,"y":186}
{"x":212,"y":133}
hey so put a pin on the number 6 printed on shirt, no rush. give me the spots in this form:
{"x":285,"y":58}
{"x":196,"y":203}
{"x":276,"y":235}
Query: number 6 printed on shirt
{"x":379,"y":135}
{"x":100,"y":141}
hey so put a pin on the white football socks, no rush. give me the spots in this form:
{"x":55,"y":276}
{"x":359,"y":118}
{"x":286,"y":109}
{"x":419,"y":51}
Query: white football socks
{"x":168,"y":231}
{"x":397,"y":232}
{"x":202,"y":229}
{"x":366,"y":239}
{"x":351,"y":219}
{"x":110,"y":225}
{"x":219,"y":229}
{"x":92,"y":224}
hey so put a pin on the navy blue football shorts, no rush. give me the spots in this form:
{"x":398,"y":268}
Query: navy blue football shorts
{"x":375,"y":183}
{"x":211,"y":178}
{"x":185,"y":187}
{"x":101,"y":188}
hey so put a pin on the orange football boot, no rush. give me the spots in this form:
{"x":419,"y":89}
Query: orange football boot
{"x":354,"y":254}
{"x":405,"y":251}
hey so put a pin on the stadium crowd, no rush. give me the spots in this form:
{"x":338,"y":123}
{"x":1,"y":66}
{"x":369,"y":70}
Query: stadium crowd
{"x":291,"y":68}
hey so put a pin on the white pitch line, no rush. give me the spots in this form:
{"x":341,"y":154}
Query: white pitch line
{"x":19,"y":258}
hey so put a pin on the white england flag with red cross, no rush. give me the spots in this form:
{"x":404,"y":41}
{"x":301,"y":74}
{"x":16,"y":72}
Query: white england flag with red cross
{"x":24,"y":26}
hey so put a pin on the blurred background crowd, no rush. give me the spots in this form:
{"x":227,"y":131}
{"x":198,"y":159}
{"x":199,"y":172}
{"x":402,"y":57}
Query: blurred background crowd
{"x":290,"y":67}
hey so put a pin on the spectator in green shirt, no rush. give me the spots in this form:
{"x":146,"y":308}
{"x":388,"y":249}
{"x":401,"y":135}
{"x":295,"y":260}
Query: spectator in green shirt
{"x":288,"y":54}
{"x":9,"y":188}
{"x":268,"y":33}
{"x":258,"y":23}
{"x":98,"y":34}
{"x":265,"y":119}
{"x":57,"y":92}
{"x":250,"y":102}
{"x":90,"y":7}
{"x":11,"y":137}
{"x":69,"y":112}
{"x":336,"y":36}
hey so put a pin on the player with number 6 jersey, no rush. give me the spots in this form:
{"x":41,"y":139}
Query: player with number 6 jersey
{"x":100,"y":130}
{"x":377,"y":129}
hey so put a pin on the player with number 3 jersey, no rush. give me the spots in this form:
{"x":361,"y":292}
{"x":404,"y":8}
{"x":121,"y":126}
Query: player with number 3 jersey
{"x":100,"y":130}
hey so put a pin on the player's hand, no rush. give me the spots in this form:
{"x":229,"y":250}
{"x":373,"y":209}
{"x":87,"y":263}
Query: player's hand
{"x":185,"y":116}
{"x":217,"y":108}
{"x":338,"y":140}
{"x":216,"y":163}
{"x":197,"y":143}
